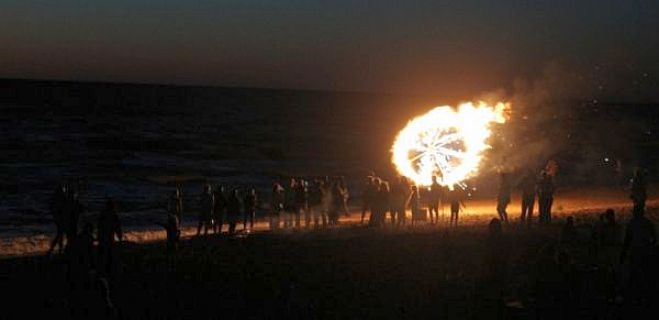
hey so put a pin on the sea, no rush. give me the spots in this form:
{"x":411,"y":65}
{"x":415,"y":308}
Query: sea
{"x":134,"y":143}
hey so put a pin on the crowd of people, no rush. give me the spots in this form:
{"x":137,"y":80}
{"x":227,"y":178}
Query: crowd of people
{"x":320,"y":202}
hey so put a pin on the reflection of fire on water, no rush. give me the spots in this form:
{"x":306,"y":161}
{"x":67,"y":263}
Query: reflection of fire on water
{"x":446,"y":142}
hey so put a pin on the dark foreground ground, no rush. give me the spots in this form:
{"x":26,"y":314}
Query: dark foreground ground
{"x":344,"y":273}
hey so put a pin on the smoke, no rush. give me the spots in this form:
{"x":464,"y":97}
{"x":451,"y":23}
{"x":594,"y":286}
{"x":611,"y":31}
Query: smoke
{"x":555,"y":112}
{"x":541,"y":109}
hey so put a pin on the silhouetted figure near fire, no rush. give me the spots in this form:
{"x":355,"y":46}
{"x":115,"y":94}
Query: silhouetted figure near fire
{"x":367,"y":197}
{"x":503,"y":196}
{"x":639,"y":190}
{"x":455,"y":200}
{"x":434,"y":200}
{"x":58,"y":212}
{"x":382,"y":204}
{"x":219,"y":209}
{"x":528,"y":187}
{"x":250,"y":204}
{"x":206,"y":206}
{"x":233,"y":210}
{"x":545,"y":197}
{"x":413,"y":203}
{"x":109,"y":230}
{"x":276,"y":205}
{"x":175,"y":203}
{"x":638,"y":247}
{"x":398,"y":198}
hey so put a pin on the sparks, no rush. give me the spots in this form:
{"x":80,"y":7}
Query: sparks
{"x":446,"y":142}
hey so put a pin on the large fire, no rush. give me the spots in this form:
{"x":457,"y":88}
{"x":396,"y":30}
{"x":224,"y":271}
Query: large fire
{"x":446,"y":142}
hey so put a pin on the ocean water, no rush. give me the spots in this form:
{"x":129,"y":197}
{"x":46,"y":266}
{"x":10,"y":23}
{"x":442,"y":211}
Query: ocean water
{"x":135,"y":142}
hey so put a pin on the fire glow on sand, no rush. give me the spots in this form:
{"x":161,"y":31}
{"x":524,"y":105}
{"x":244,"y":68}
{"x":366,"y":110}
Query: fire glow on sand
{"x":446,"y":142}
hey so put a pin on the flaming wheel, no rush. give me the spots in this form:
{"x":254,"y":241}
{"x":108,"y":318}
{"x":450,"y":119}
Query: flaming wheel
{"x":438,"y":151}
{"x":445,"y":142}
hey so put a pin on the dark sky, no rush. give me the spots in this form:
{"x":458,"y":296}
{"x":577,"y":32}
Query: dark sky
{"x":458,"y":47}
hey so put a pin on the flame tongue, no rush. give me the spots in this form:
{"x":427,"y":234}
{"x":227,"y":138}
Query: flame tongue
{"x":446,"y":143}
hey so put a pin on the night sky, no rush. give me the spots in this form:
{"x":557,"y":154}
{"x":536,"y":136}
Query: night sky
{"x":458,"y":48}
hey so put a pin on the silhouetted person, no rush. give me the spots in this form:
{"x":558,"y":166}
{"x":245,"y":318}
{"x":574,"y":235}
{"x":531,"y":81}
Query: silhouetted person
{"x":315,"y":203}
{"x":413,"y":203}
{"x":528,"y":187}
{"x":276,"y":205}
{"x":545,"y":197}
{"x":345,"y":196}
{"x":219,"y":210}
{"x":290,"y":203}
{"x":639,"y":242}
{"x":496,"y":253}
{"x":337,"y":203}
{"x":175,"y":203}
{"x":434,"y":200}
{"x":327,"y":200}
{"x":250,"y":204}
{"x":109,"y":230}
{"x":301,"y":204}
{"x":81,"y":262}
{"x":639,"y":190}
{"x":233,"y":210}
{"x":370,"y":190}
{"x":381,"y":202}
{"x":58,"y":212}
{"x":503,"y":197}
{"x":455,"y":200}
{"x":609,"y":233}
{"x":206,"y":206}
{"x":72,"y":212}
{"x":398,"y":199}
{"x":569,"y":232}
{"x":173,"y":231}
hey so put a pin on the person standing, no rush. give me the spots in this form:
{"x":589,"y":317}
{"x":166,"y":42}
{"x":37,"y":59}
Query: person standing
{"x":302,"y":204}
{"x":345,"y":195}
{"x":219,"y":209}
{"x":639,"y":190}
{"x":503,"y":197}
{"x":545,"y":197}
{"x":290,"y":205}
{"x":109,"y":230}
{"x":206,"y":207}
{"x":276,"y":206}
{"x":528,"y":187}
{"x":455,"y":199}
{"x":434,"y":200}
{"x":367,"y":197}
{"x":638,"y":247}
{"x":175,"y":203}
{"x":413,"y":203}
{"x":58,"y":212}
{"x":233,"y":210}
{"x":249,"y":214}
{"x":72,"y":212}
